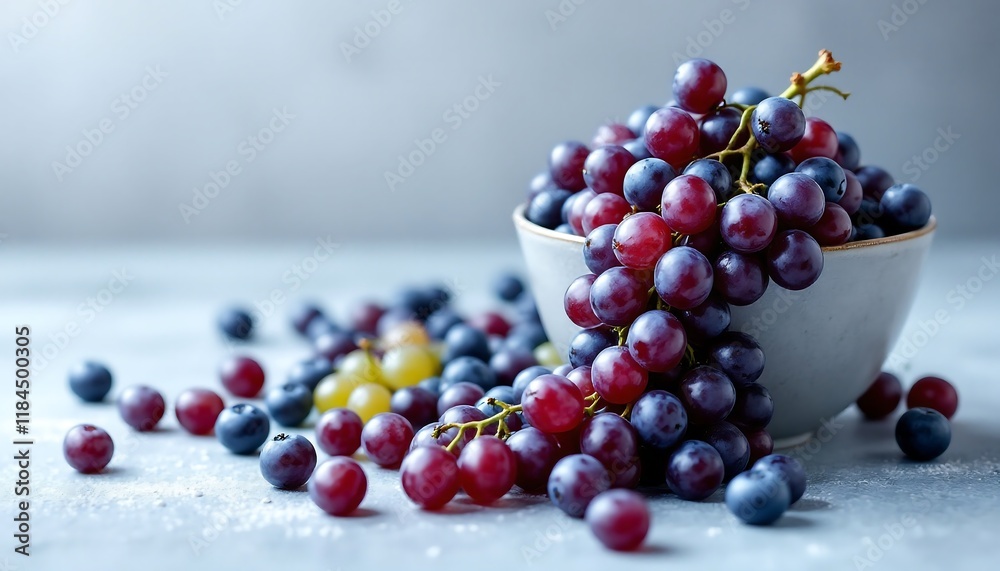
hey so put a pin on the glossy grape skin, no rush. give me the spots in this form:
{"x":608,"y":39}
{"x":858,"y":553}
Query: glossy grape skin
{"x":605,"y":168}
{"x":853,"y":194}
{"x":778,"y":124}
{"x":605,"y":208}
{"x":749,"y":95}
{"x":242,"y":376}
{"x":818,"y":140}
{"x":612,"y":440}
{"x":338,"y":432}
{"x":788,"y":470}
{"x":566,"y":165}
{"x":90,"y":381}
{"x":708,"y":242}
{"x":659,"y":419}
{"x":617,"y":377}
{"x":636,"y":121}
{"x":754,"y":406}
{"x":739,"y":356}
{"x":644,"y":183}
{"x":468,"y":370}
{"x":760,"y":441}
{"x":732,"y":446}
{"x":688,"y":204}
{"x":465,"y":341}
{"x":308,"y":373}
{"x":748,"y":223}
{"x":535,"y":453}
{"x":87,"y":448}
{"x":639,"y":241}
{"x":508,"y":362}
{"x":287,"y":462}
{"x":459,"y":394}
{"x":699,"y":85}
{"x":715,"y":174}
{"x":757,"y":497}
{"x":598,"y":249}
{"x":882,"y":397}
{"x":770,"y":167}
{"x":552,"y":404}
{"x":141,"y":407}
{"x":430,"y":477}
{"x":694,"y":471}
{"x":794,"y":260}
{"x":575,"y":481}
{"x":718,"y":128}
{"x":618,"y":296}
{"x":827,"y":174}
{"x":798,"y":200}
{"x":867,"y":232}
{"x":576,"y":302}
{"x":706,"y":321}
{"x":848,"y":153}
{"x":386,"y":439}
{"x":683,"y":278}
{"x":611,"y":134}
{"x":407,"y":365}
{"x":834,"y":227}
{"x":934,"y":393}
{"x":923,"y":434}
{"x":637,"y":147}
{"x":575,"y":207}
{"x":739,"y":278}
{"x":587,"y":344}
{"x":197,"y":410}
{"x":905,"y":207}
{"x":582,"y":378}
{"x":236,"y":323}
{"x":545,"y":209}
{"x":289,"y":404}
{"x":369,"y":399}
{"x":874,"y":181}
{"x":672,"y":135}
{"x":487,"y":469}
{"x":707,"y":394}
{"x":657,"y":341}
{"x":242,"y":428}
{"x":619,"y":519}
{"x":526,"y":376}
{"x":338,"y":486}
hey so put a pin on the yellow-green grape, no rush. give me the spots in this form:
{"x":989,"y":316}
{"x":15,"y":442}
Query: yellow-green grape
{"x":408,"y":365}
{"x":361,"y":365}
{"x":368,"y":400}
{"x":406,"y":333}
{"x":333,"y":391}
{"x":547,"y":355}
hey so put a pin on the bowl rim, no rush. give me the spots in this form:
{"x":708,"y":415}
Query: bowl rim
{"x":524,"y":224}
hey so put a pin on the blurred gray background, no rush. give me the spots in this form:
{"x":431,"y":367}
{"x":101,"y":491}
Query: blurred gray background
{"x":309,"y":104}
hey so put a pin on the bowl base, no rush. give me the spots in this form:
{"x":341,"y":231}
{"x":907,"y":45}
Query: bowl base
{"x":792,"y":441}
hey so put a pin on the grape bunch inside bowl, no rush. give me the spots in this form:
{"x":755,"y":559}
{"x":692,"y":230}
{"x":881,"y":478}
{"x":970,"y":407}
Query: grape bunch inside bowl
{"x":750,"y":190}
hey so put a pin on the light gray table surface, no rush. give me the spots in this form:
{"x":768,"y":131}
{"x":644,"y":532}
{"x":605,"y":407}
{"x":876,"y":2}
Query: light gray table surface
{"x":173,"y":501}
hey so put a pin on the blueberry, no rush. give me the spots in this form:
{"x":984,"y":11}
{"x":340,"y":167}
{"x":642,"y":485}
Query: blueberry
{"x":526,"y":310}
{"x":523,"y":378}
{"x":757,"y":497}
{"x":468,"y":370}
{"x":287,"y":461}
{"x":905,"y":207}
{"x":923,"y":433}
{"x":441,"y":321}
{"x":289,"y":404}
{"x":242,"y":428}
{"x":848,"y":152}
{"x":310,"y":372}
{"x":545,"y":209}
{"x":431,"y":385}
{"x":827,"y":174}
{"x":507,"y":286}
{"x":867,"y":232}
{"x":90,"y":381}
{"x":465,"y":341}
{"x":236,"y":323}
{"x":788,"y":469}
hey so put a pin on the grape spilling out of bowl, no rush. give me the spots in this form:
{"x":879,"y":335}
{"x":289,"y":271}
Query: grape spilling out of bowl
{"x":688,"y":209}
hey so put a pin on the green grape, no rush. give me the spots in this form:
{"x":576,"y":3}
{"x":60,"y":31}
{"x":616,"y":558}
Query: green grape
{"x":408,"y":365}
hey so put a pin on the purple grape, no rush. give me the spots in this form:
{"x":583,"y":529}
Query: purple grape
{"x":415,"y":404}
{"x":694,"y":471}
{"x":798,"y":200}
{"x":612,"y":440}
{"x":732,"y":446}
{"x":575,"y":481}
{"x":748,"y":223}
{"x":659,"y":419}
{"x":754,"y":407}
{"x":874,"y":181}
{"x":619,"y":295}
{"x":708,"y":320}
{"x":715,"y":174}
{"x":683,"y":278}
{"x":848,"y":152}
{"x":644,"y":183}
{"x":707,"y":394}
{"x":598,"y":248}
{"x":777,"y":124}
{"x":656,"y":340}
{"x":536,"y":453}
{"x":718,"y":128}
{"x":740,"y":278}
{"x":459,"y":394}
{"x":738,"y":356}
{"x":588,"y":343}
{"x":794,"y":260}
{"x":566,"y":165}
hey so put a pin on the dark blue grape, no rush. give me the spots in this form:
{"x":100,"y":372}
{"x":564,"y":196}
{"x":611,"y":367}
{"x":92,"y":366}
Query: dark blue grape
{"x":706,"y":321}
{"x":575,"y":481}
{"x":748,"y":96}
{"x":236,"y":323}
{"x":320,"y":326}
{"x":867,"y":232}
{"x":771,"y":167}
{"x":644,"y":183}
{"x":715,"y":174}
{"x":526,"y":335}
{"x":636,"y":121}
{"x":441,"y":321}
{"x":659,"y":419}
{"x":739,"y":356}
{"x":287,"y":461}
{"x":416,"y":404}
{"x":465,"y":341}
{"x":827,"y":174}
{"x":536,"y":454}
{"x":848,"y":152}
{"x":874,"y":181}
{"x":638,"y":149}
{"x":923,"y":433}
{"x":598,"y":248}
{"x":788,"y":469}
{"x":508,"y":362}
{"x":302,"y":314}
{"x":905,"y":207}
{"x":586,"y":345}
{"x":507,"y":286}
{"x":432,"y":385}
{"x":754,"y":406}
{"x":546,"y":208}
{"x":242,"y":428}
{"x":90,"y":381}
{"x":777,"y":124}
{"x":289,"y":404}
{"x":708,"y":395}
{"x":523,"y":378}
{"x":757,"y":498}
{"x":717,"y":129}
{"x":310,"y":372}
{"x":467,"y":370}
{"x":732,"y":445}
{"x":694,"y":471}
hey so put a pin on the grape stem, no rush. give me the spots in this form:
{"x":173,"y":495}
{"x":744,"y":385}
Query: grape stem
{"x":799,"y":87}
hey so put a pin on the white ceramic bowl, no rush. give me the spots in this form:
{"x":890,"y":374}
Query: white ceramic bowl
{"x":823,"y":346}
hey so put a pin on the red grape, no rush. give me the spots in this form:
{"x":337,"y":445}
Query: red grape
{"x":688,"y":204}
{"x":386,"y":438}
{"x":619,"y":519}
{"x":576,"y":302}
{"x":882,"y":397}
{"x":605,"y":168}
{"x":198,"y":409}
{"x":748,"y":223}
{"x":338,"y":486}
{"x":818,"y":140}
{"x":672,"y":135}
{"x":934,"y":393}
{"x":338,"y":432}
{"x":640,"y":240}
{"x":487,"y":469}
{"x":552,"y":404}
{"x":699,"y":85}
{"x":566,"y":165}
{"x":612,"y":134}
{"x":87,"y":448}
{"x":605,"y":208}
{"x":657,"y":341}
{"x":683,"y":278}
{"x":834,"y":227}
{"x":617,"y":377}
{"x":430,"y":477}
